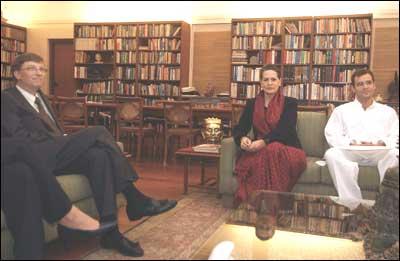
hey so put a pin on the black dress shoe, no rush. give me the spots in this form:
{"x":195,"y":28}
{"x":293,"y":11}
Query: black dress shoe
{"x":154,"y":207}
{"x":67,"y":234}
{"x":122,"y":245}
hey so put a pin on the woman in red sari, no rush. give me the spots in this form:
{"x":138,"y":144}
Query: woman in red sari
{"x":274,"y":159}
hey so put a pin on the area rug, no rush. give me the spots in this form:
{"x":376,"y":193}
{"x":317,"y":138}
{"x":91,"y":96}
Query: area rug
{"x":176,"y":234}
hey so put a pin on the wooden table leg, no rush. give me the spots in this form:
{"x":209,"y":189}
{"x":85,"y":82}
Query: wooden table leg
{"x":185,"y":175}
{"x":202,"y":171}
{"x":218,"y":194}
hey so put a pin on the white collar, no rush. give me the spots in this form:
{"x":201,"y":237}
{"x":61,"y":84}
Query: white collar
{"x":358,"y":104}
{"x":29,"y":96}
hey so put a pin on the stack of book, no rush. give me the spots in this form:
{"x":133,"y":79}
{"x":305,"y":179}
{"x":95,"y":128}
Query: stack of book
{"x":209,"y":148}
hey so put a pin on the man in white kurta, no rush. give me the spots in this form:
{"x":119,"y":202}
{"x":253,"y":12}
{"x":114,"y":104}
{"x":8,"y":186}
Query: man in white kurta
{"x":362,"y":132}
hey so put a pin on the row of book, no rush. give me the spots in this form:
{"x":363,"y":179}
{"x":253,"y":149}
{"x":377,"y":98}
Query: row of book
{"x":298,"y":91}
{"x":155,"y":72}
{"x":101,"y":87}
{"x":329,"y":92}
{"x":245,"y":74}
{"x":260,"y":27}
{"x":261,"y":57}
{"x":297,"y":41}
{"x":331,"y":74}
{"x":160,"y":57}
{"x":296,"y":74}
{"x":343,"y":41}
{"x":98,"y":31}
{"x":343,"y":25}
{"x":126,"y":73}
{"x":256,"y":42}
{"x":125,"y":44}
{"x":304,"y":27}
{"x":163,"y":89}
{"x":6,"y":70}
{"x":334,"y":211}
{"x":125,"y":88}
{"x":162,"y":44}
{"x":159,"y":30}
{"x":12,"y":45}
{"x":341,"y":57}
{"x":126,"y":30}
{"x":12,"y":33}
{"x":296,"y":57}
{"x":6,"y":83}
{"x":242,"y":90}
{"x":8,"y":57}
{"x":125,"y":57}
{"x":94,"y":44}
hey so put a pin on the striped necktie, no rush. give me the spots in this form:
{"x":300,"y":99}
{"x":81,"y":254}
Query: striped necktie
{"x":46,"y":118}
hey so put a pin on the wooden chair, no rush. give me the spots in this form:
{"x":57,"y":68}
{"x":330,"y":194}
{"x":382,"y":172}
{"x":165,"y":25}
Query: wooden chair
{"x":130,"y":120}
{"x":72,"y":113}
{"x":237,"y":110}
{"x":178,"y":116}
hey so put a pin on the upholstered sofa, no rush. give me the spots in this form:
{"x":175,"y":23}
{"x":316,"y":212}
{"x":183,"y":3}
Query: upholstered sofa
{"x":315,"y":179}
{"x":79,"y":192}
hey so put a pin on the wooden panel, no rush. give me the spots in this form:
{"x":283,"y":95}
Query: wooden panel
{"x":386,"y":48}
{"x":386,"y":57}
{"x":211,"y":60}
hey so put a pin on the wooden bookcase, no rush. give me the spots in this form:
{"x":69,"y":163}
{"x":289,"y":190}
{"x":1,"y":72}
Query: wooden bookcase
{"x":316,"y":55}
{"x":13,"y":43}
{"x":149,"y":59}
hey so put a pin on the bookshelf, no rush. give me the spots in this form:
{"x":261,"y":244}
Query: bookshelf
{"x":149,"y":59}
{"x":316,"y":55}
{"x":13,"y":43}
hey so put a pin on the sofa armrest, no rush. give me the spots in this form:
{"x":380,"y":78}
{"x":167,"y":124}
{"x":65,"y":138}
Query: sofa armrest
{"x":226,"y":166}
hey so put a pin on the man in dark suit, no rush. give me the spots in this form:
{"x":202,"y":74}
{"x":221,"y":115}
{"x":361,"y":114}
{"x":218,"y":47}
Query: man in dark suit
{"x":27,"y":117}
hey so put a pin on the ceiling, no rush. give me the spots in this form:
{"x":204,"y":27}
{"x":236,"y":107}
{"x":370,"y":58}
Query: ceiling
{"x":195,"y":12}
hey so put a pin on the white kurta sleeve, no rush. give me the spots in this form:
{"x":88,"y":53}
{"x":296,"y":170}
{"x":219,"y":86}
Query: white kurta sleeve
{"x":335,"y":131}
{"x":392,"y":134}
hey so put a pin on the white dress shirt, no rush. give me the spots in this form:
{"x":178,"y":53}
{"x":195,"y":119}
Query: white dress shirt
{"x":350,"y":122}
{"x":30,"y":98}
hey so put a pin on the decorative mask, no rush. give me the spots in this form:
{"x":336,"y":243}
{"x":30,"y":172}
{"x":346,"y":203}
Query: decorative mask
{"x":211,"y":131}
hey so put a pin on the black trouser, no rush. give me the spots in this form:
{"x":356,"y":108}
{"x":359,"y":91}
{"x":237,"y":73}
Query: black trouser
{"x":103,"y":165}
{"x":27,"y":197}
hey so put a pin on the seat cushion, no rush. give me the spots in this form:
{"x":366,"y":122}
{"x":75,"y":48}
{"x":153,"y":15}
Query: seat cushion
{"x":310,"y":129}
{"x":312,"y":174}
{"x":76,"y":187}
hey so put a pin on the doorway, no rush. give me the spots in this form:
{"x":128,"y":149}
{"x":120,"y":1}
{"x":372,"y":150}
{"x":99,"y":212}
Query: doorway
{"x":61,"y":78}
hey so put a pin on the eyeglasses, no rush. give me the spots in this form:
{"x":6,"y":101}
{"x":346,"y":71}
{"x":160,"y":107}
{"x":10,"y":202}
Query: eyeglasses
{"x":32,"y":69}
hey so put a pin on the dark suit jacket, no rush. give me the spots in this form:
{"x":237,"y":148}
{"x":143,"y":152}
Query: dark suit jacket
{"x":285,"y":132}
{"x":21,"y":121}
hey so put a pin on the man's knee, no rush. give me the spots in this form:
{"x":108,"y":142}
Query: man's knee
{"x":333,"y":154}
{"x":97,"y":153}
{"x":19,"y":172}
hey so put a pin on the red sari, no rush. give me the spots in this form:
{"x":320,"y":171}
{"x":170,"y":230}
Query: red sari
{"x":276,"y":166}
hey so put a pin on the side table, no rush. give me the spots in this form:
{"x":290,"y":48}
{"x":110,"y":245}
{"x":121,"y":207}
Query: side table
{"x":187,"y":154}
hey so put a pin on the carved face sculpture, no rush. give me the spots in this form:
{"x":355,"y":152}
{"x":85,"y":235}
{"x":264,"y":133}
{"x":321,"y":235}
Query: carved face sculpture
{"x":211,"y":131}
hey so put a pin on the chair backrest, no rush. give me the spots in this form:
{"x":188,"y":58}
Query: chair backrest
{"x":72,"y":111}
{"x":237,"y":110}
{"x":178,"y":113}
{"x":130,"y":110}
{"x":311,"y":121}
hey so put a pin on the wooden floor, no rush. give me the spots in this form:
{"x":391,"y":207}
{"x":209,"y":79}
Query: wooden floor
{"x":156,"y":181}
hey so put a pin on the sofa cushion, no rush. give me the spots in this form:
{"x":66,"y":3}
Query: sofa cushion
{"x":312,"y":174}
{"x":76,"y":187}
{"x":310,"y":129}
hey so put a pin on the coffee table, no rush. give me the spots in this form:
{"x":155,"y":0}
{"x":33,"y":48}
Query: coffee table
{"x":284,"y":225}
{"x":188,"y":153}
